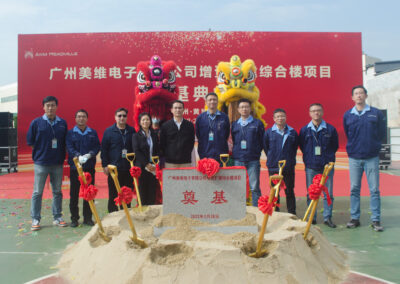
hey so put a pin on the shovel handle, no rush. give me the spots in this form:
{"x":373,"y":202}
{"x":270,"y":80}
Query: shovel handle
{"x":281,"y":165}
{"x":114,"y":174}
{"x":155,"y":159}
{"x":130,"y":160}
{"x":79,"y":169}
{"x":222,"y":157}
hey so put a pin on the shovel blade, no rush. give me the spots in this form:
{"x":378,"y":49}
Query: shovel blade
{"x":139,"y":242}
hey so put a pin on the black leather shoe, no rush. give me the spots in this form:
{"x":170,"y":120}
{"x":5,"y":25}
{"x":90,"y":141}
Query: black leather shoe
{"x":376,"y":225}
{"x":329,"y":223}
{"x":353,"y":224}
{"x":314,"y":222}
{"x":88,"y":223}
{"x":74,"y":224}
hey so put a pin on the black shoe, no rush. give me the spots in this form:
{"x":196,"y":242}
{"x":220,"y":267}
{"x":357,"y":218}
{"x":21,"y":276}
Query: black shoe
{"x":74,"y":224}
{"x":329,"y":223}
{"x":314,"y":222}
{"x":353,"y":224}
{"x":376,"y":225}
{"x":88,"y":223}
{"x":277,"y":209}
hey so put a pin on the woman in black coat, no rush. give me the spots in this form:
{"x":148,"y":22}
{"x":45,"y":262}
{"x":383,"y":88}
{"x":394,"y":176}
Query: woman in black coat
{"x":145,"y":144}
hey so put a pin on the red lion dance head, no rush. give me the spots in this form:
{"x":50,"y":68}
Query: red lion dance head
{"x":156,"y":89}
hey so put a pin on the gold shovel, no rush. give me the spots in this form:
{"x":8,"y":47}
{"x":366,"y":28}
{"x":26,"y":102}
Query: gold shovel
{"x":281,"y":165}
{"x":260,"y":253}
{"x":222,"y":157}
{"x":314,"y":203}
{"x":91,"y":203}
{"x":131,"y":160}
{"x":134,"y":238}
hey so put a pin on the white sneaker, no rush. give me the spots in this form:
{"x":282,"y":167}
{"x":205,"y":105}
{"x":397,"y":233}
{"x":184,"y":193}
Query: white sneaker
{"x":60,"y":222}
{"x":35,"y":225}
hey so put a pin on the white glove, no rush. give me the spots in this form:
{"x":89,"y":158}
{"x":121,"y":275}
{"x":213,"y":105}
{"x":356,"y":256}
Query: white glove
{"x":82,"y":159}
{"x":88,"y":156}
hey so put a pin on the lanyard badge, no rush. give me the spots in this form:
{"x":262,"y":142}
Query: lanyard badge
{"x":317,"y":150}
{"x":54,"y":143}
{"x":211,"y":136}
{"x":124,"y":152}
{"x":243,"y":144}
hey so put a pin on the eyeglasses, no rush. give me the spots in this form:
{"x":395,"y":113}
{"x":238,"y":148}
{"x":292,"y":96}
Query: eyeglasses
{"x":121,"y":115}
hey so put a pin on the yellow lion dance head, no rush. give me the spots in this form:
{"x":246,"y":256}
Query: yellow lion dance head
{"x":236,"y":80}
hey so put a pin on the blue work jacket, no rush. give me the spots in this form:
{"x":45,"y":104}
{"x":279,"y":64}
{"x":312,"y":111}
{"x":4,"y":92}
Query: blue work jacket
{"x":325,"y":137}
{"x":41,"y":134}
{"x":252,"y":133}
{"x":364,"y":132}
{"x":81,"y":143}
{"x":281,"y":147}
{"x":220,"y":127}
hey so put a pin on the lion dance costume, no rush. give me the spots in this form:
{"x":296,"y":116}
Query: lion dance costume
{"x":236,"y":80}
{"x":156,"y":89}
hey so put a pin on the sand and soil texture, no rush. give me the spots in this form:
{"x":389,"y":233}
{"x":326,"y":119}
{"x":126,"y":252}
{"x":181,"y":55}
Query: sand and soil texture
{"x":185,"y":254}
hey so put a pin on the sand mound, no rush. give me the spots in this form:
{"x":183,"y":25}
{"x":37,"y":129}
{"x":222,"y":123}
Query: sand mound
{"x":184,"y":254}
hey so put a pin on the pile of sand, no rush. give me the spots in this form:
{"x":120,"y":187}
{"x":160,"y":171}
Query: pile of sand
{"x":186,"y":255}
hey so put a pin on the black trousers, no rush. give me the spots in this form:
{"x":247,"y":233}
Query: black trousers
{"x":125,"y":179}
{"x":74,"y":196}
{"x":148,"y":184}
{"x":288,"y":178}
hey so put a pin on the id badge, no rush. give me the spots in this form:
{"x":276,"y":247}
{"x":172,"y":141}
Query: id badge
{"x":54,"y":143}
{"x":243,"y":144}
{"x":124,"y":152}
{"x":317,"y":150}
{"x":211,"y":136}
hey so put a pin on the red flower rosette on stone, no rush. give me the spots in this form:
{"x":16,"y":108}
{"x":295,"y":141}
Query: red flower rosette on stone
{"x":265,"y":207}
{"x":135,"y":172}
{"x":315,"y":189}
{"x":208,"y":167}
{"x":275,"y":182}
{"x":126,"y":195}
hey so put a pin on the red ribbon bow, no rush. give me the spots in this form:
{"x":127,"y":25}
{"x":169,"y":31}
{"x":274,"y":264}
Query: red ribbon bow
{"x":126,"y":195}
{"x":282,"y":185}
{"x":208,"y":167}
{"x":87,"y":191}
{"x":265,"y":207}
{"x":158,"y":172}
{"x":135,"y":172}
{"x":315,"y":189}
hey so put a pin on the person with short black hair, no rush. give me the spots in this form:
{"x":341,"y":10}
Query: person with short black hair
{"x":247,"y":137}
{"x":365,"y":128}
{"x":319,"y":142}
{"x":177,"y":138}
{"x":212,"y":130}
{"x":46,"y":135}
{"x":83,"y":143}
{"x":116,"y":143}
{"x":280,"y":143}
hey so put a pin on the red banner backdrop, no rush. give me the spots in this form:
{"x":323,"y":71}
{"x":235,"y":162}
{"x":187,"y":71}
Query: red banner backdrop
{"x":97,"y":72}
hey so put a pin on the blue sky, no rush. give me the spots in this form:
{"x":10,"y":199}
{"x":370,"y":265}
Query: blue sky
{"x":378,"y":21}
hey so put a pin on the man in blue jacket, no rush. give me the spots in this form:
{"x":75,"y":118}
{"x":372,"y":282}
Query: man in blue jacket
{"x":319,"y":142}
{"x":365,"y":128}
{"x":247,"y":136}
{"x":116,"y":143}
{"x":83,"y":143}
{"x":280,"y":143}
{"x":46,"y":135}
{"x":212,"y":130}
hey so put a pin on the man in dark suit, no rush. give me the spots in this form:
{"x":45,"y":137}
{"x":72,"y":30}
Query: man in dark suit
{"x":177,"y":138}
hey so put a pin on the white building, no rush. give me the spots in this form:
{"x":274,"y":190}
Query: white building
{"x":382,"y":80}
{"x":9,"y":98}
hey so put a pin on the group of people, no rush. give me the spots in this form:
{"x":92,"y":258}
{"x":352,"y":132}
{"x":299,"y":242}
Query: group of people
{"x":174,"y":142}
